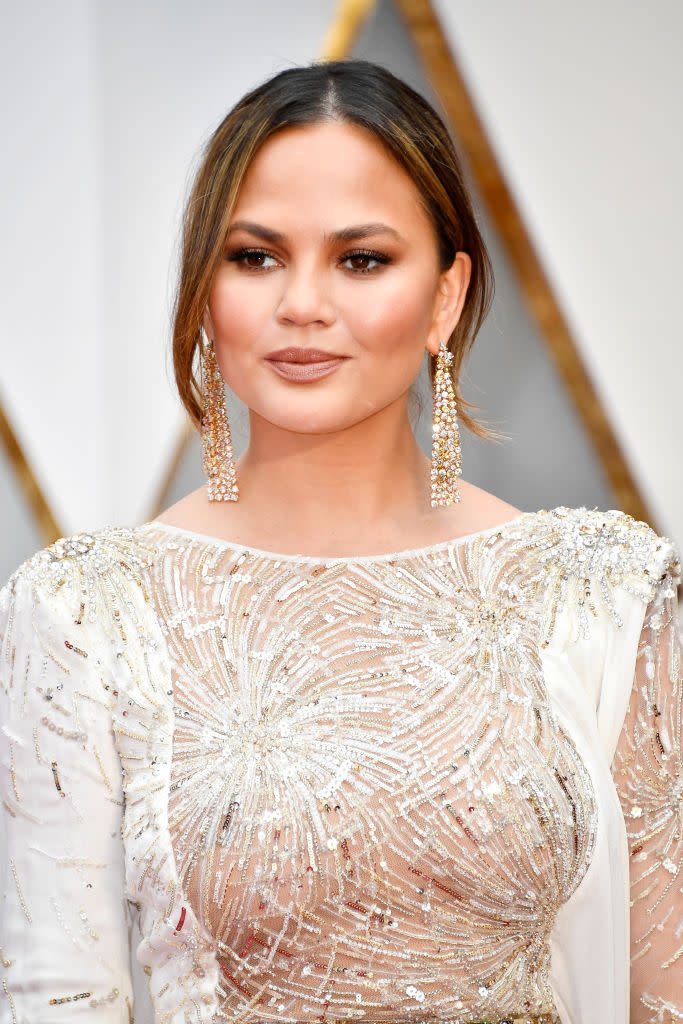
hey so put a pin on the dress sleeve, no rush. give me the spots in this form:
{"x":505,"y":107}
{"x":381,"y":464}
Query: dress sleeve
{"x":648,"y":773}
{"x":64,"y":919}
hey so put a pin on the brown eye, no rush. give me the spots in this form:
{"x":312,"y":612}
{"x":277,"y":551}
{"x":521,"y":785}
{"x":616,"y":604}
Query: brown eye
{"x":364,"y":260}
{"x":377,"y":258}
{"x":241,"y":256}
{"x":251,"y":256}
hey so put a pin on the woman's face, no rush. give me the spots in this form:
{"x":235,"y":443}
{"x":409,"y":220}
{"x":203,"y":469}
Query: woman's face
{"x":375,"y":297}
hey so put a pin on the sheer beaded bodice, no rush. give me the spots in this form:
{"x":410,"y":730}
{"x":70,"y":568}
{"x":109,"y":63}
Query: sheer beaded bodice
{"x":373,"y":809}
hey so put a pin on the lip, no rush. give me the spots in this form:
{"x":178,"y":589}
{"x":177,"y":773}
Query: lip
{"x":303,"y":355}
{"x":305,"y":371}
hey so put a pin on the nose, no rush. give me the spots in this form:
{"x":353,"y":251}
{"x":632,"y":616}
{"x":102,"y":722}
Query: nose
{"x":305,"y":297}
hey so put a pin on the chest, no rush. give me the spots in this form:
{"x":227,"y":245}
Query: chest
{"x":362,"y":739}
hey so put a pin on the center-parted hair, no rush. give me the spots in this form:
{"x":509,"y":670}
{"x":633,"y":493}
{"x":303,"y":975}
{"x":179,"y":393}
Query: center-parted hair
{"x":357,"y":92}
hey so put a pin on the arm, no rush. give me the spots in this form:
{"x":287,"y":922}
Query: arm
{"x":64,"y":925}
{"x":648,"y":773}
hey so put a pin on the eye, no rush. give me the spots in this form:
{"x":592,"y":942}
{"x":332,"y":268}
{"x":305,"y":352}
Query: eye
{"x":367,"y":255}
{"x":241,"y":255}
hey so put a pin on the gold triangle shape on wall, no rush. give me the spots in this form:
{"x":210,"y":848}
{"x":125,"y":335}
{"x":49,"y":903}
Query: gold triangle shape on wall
{"x":41,"y":512}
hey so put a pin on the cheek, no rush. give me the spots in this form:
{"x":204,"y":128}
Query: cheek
{"x":387,"y":322}
{"x":237,"y":314}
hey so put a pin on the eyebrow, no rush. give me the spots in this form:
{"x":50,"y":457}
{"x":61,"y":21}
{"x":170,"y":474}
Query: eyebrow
{"x":344,"y":235}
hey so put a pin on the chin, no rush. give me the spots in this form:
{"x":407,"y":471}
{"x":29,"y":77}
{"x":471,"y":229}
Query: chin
{"x":309,"y":422}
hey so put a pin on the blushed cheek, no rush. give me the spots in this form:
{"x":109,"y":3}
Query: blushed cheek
{"x":398,"y":321}
{"x":238,"y":318}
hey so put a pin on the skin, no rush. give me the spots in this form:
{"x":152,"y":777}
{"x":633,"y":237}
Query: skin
{"x":343,"y":443}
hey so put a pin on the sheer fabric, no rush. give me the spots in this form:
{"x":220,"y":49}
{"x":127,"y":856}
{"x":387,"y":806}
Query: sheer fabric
{"x":408,"y":787}
{"x":648,"y":771}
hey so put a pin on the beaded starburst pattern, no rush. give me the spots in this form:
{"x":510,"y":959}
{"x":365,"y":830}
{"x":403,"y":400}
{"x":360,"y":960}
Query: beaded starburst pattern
{"x":344,"y":790}
{"x":374,"y":811}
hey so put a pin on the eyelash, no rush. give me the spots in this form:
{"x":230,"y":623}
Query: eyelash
{"x":239,"y":254}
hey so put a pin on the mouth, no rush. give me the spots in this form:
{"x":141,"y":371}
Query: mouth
{"x":304,"y":364}
{"x":302,"y":355}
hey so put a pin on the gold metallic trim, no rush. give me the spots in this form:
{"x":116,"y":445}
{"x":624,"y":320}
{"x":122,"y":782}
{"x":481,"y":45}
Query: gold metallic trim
{"x":28,"y":483}
{"x":441,"y":65}
{"x":346,"y":25}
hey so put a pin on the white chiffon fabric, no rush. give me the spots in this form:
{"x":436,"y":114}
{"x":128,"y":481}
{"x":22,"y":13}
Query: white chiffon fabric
{"x":590,"y":943}
{"x":80,"y":643}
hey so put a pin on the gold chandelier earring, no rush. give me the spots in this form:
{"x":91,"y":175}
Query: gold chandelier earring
{"x":217,"y":457}
{"x":446,"y":465}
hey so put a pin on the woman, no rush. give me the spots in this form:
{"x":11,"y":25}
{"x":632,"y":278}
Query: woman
{"x":352,"y":741}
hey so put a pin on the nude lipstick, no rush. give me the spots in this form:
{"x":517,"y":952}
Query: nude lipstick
{"x":304,"y":364}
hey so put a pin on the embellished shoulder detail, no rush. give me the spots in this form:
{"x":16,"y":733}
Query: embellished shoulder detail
{"x":91,"y":572}
{"x":585,"y":554}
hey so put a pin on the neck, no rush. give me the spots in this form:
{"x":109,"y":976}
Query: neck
{"x":370,"y":475}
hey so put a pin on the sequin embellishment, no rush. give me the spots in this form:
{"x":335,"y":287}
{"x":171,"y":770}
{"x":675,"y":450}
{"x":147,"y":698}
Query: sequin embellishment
{"x":373,"y":809}
{"x":342,"y":786}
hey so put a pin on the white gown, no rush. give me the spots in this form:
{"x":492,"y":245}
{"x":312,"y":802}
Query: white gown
{"x":443,"y":784}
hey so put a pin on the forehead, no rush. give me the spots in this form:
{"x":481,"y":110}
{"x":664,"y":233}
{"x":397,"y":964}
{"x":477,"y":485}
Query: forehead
{"x":328,"y":168}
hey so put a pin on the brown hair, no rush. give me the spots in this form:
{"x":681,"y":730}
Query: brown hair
{"x":361,"y":93}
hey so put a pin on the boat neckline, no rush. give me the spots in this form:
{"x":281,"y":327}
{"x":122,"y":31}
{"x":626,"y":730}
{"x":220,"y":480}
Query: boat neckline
{"x":406,"y":553}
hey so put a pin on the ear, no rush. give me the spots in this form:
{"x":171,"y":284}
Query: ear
{"x":449,"y":301}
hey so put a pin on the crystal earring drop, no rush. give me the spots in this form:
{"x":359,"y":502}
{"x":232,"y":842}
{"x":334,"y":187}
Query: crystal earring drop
{"x":217,"y":457}
{"x":446,"y":467}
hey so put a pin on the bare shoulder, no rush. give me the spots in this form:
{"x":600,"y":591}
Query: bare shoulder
{"x":480,"y":510}
{"x":184,"y":510}
{"x":196,"y":512}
